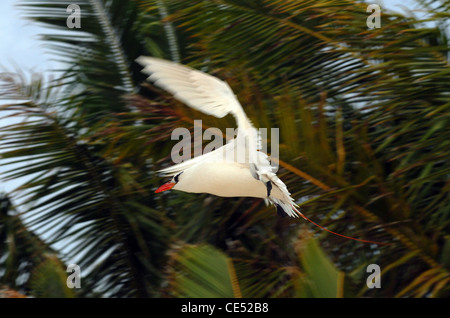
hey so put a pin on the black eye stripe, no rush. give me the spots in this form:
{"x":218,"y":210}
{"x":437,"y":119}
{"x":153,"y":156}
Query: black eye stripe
{"x":176,"y":177}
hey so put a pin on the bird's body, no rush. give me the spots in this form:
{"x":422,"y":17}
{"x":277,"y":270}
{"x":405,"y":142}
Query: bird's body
{"x":235,"y":180}
{"x":237,"y":169}
{"x":216,"y":174}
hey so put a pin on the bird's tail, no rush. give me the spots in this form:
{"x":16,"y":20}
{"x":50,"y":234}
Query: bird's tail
{"x":291,"y":210}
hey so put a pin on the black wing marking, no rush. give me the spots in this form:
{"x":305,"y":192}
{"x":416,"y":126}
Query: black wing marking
{"x":280,"y":211}
{"x":269,"y":187}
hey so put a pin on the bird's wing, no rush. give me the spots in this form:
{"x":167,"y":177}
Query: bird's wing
{"x":198,"y":90}
{"x":209,"y":95}
{"x":217,"y":155}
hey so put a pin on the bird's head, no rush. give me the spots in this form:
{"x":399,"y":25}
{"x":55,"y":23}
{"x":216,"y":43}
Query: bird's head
{"x":169,"y":185}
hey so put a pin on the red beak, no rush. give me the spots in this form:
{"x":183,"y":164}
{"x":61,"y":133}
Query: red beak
{"x":166,"y":186}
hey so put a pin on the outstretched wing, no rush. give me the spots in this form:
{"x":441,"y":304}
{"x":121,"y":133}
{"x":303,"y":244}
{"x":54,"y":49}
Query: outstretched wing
{"x":198,"y":90}
{"x":204,"y":93}
{"x":217,"y":155}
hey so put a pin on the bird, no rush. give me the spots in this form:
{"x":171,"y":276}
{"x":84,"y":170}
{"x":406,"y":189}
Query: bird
{"x":217,"y":172}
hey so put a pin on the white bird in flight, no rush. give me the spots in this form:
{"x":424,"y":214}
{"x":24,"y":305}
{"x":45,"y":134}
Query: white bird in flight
{"x":216,"y":172}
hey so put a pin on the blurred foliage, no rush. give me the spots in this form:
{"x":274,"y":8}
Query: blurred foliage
{"x":364,"y":146}
{"x":204,"y":271}
{"x":27,"y":263}
{"x":48,"y":280}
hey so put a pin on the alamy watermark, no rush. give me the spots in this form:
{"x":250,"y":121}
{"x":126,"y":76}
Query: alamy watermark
{"x":374,"y":20}
{"x":74,"y":279}
{"x":73,"y":21}
{"x":374,"y":279}
{"x":246,"y":144}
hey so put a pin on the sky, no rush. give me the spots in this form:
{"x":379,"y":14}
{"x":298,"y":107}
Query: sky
{"x":19,"y":41}
{"x":21,"y":49}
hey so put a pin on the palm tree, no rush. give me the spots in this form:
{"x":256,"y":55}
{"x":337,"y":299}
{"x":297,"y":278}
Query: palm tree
{"x":363,"y":119}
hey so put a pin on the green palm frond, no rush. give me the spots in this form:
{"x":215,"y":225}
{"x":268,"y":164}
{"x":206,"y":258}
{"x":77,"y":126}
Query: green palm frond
{"x":202,"y":271}
{"x":74,"y":192}
{"x":20,"y":249}
{"x":98,"y":71}
{"x":321,"y":279}
{"x":48,"y":280}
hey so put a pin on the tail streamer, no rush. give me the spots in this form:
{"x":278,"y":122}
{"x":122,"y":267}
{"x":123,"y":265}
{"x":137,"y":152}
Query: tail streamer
{"x":341,"y":235}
